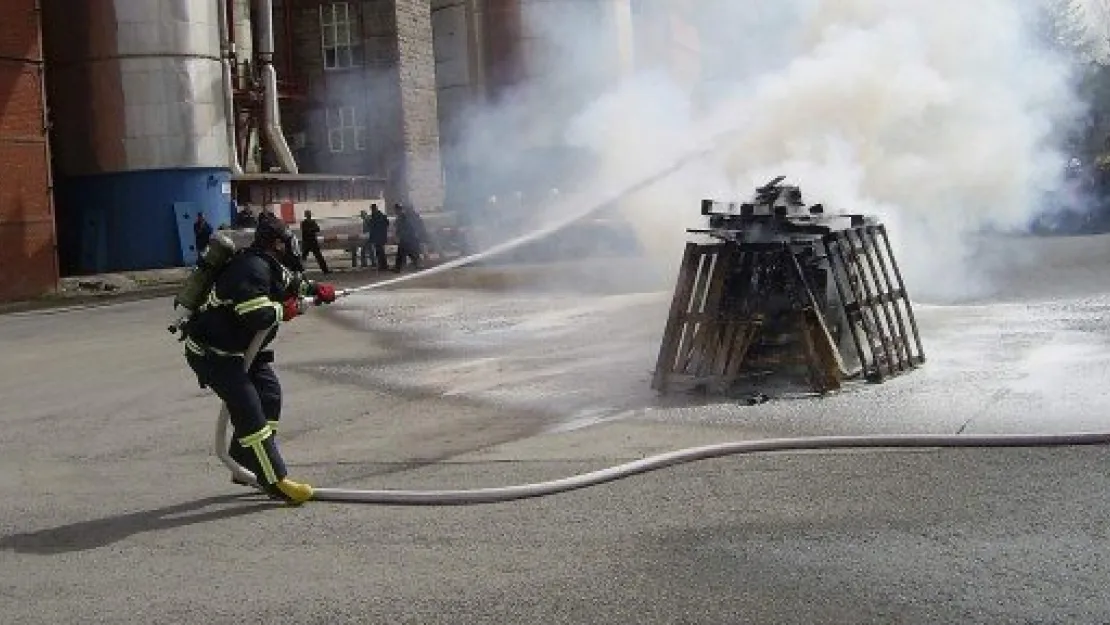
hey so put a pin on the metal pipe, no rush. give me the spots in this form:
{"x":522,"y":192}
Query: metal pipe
{"x":272,"y":111}
{"x":227,"y":57}
{"x":55,"y":269}
{"x":287,"y":38}
{"x":229,"y":6}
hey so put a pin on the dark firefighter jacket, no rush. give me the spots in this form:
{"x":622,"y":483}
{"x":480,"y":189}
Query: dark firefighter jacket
{"x":245,"y":299}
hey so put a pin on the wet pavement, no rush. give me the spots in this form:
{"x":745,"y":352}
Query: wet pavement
{"x":115,"y":510}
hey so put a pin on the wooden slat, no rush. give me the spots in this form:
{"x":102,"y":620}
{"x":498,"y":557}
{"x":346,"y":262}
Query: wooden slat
{"x":708,"y":342}
{"x":710,"y":329}
{"x":697,"y":298}
{"x":671,"y":332}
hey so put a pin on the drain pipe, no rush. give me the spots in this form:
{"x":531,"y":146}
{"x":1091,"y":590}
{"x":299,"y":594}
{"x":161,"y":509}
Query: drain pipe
{"x":227,"y":57}
{"x":272,"y":122}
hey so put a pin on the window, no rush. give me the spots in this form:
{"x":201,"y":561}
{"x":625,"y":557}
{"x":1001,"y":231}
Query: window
{"x":346,"y":131}
{"x":340,"y":40}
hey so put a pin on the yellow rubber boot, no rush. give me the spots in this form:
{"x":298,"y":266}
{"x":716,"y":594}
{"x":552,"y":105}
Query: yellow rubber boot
{"x":292,"y":492}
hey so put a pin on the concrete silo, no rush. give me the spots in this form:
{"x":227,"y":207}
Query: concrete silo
{"x":140,"y":129}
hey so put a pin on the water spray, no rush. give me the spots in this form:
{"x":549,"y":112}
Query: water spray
{"x":593,"y":207}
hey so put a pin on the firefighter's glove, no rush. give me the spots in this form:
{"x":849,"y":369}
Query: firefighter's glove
{"x":325,"y":293}
{"x":291,"y":308}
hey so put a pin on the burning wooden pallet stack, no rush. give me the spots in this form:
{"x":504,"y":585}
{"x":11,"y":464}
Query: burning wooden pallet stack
{"x":777,"y":288}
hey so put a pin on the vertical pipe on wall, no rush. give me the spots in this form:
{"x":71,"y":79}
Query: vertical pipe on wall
{"x":502,"y":31}
{"x":227,"y":57}
{"x":55,"y":271}
{"x":272,"y":116}
{"x":287,"y":41}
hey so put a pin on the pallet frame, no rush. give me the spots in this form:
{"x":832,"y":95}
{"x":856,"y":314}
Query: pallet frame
{"x":708,"y":336}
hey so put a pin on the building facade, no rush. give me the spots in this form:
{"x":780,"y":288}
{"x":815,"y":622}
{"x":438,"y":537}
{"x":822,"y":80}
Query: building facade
{"x":665,"y":36}
{"x":28,"y":254}
{"x":158,"y":111}
{"x":553,"y":57}
{"x":369,"y":106}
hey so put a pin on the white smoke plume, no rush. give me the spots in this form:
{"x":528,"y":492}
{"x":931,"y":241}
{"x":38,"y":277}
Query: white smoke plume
{"x":941,"y":116}
{"x":1083,"y":26}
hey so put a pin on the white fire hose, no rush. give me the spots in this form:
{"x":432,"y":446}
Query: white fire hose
{"x":661,"y":461}
{"x":644,"y":465}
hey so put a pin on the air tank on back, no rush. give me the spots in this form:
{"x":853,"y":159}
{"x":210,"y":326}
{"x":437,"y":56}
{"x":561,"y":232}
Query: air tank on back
{"x":139,"y":129}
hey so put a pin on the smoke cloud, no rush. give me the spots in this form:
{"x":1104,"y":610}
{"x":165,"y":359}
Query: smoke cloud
{"x":943,"y":117}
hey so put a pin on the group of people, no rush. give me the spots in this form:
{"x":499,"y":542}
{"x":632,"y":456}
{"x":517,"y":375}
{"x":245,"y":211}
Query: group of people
{"x":407,"y":225}
{"x":410,"y":234}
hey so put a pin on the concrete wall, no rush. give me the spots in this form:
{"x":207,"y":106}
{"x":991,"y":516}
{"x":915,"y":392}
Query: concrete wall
{"x":457,"y":70}
{"x":487,"y":49}
{"x":422,"y":169}
{"x":28,"y":255}
{"x":393,"y":93}
{"x":457,"y":27}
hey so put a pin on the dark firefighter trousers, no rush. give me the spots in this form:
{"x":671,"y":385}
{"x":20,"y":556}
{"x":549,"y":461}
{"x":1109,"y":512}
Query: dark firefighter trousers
{"x":253,"y":400}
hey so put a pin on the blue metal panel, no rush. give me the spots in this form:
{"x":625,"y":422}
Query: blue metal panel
{"x":186,"y":213}
{"x":127,"y":221}
{"x":94,"y":239}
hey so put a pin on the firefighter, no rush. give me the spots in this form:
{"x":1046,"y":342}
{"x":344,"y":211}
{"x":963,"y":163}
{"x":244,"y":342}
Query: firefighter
{"x":259,"y":288}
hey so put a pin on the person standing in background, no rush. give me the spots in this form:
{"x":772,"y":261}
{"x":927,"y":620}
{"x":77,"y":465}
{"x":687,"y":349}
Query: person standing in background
{"x":425,"y":241}
{"x":363,"y":258}
{"x":408,"y":238}
{"x":202,"y":233}
{"x":377,"y":232}
{"x":310,"y":235}
{"x":244,"y":218}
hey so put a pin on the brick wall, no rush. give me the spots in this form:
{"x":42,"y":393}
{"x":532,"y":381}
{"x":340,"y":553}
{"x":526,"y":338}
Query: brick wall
{"x":28,"y":258}
{"x":393,"y":92}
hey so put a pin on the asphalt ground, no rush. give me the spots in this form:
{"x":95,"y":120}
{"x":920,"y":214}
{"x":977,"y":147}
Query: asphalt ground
{"x":116,"y":511}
